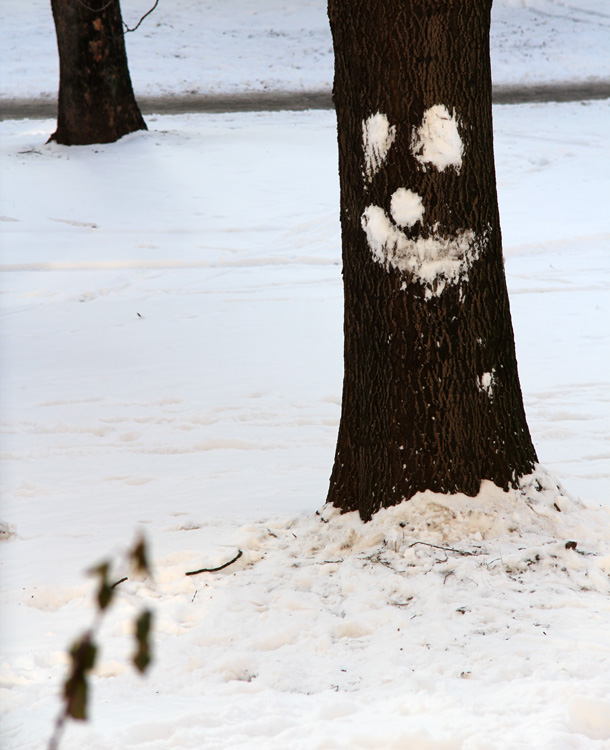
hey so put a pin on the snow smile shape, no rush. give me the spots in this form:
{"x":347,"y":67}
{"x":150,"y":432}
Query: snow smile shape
{"x":430,"y":259}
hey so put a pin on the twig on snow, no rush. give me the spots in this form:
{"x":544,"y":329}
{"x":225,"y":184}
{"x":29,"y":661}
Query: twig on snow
{"x":445,"y":549}
{"x":215,"y":570}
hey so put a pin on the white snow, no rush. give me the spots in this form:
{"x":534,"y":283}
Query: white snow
{"x":437,"y":140}
{"x":186,"y":47}
{"x":435,"y":261}
{"x":486,"y":382}
{"x":406,"y":207}
{"x":171,"y":339}
{"x":377,"y":138}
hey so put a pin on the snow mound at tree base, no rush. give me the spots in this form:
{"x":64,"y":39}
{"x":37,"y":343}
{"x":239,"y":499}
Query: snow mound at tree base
{"x":537,"y":526}
{"x":446,"y":622}
{"x":481,"y":622}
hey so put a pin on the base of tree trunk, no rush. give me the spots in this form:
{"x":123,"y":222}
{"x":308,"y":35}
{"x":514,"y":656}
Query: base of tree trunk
{"x":96,"y":102}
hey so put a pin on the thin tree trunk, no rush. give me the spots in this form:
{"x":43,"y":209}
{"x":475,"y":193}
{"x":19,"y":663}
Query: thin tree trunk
{"x":431,"y":395}
{"x":96,"y":101}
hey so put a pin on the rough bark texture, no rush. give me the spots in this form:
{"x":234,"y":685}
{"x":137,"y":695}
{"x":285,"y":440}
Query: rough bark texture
{"x":96,"y":102}
{"x":431,"y":395}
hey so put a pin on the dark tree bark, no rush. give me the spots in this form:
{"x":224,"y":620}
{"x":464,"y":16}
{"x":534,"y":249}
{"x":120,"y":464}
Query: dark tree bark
{"x":431,"y":394}
{"x":96,"y":100}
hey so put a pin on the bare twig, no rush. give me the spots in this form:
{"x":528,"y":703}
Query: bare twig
{"x":102,"y":8}
{"x":215,"y":570}
{"x":57,"y":731}
{"x":446,"y":549}
{"x":108,"y":4}
{"x":96,"y":10}
{"x":127,"y":29}
{"x":406,"y":602}
{"x":116,"y":583}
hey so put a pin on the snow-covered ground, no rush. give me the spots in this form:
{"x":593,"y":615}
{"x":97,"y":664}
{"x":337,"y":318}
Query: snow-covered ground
{"x":189,"y":46}
{"x":171,"y":342}
{"x":171,"y":336}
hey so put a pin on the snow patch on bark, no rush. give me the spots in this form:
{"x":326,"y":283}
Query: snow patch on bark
{"x":486,"y":382}
{"x":406,"y":207}
{"x":377,"y":138}
{"x":437,"y":140}
{"x":435,"y":261}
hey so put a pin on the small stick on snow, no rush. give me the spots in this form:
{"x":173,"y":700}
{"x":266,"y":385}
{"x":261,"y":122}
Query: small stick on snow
{"x":214,"y":570}
{"x":446,"y":549}
{"x":116,"y":583}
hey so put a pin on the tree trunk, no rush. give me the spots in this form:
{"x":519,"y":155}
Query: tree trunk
{"x":431,"y":394}
{"x":96,"y":101}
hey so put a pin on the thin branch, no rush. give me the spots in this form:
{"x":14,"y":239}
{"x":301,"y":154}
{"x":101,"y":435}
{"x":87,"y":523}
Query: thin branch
{"x":127,"y":29}
{"x":109,"y":3}
{"x":446,"y":549}
{"x":58,"y":730}
{"x":215,"y":570}
{"x":96,"y":10}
